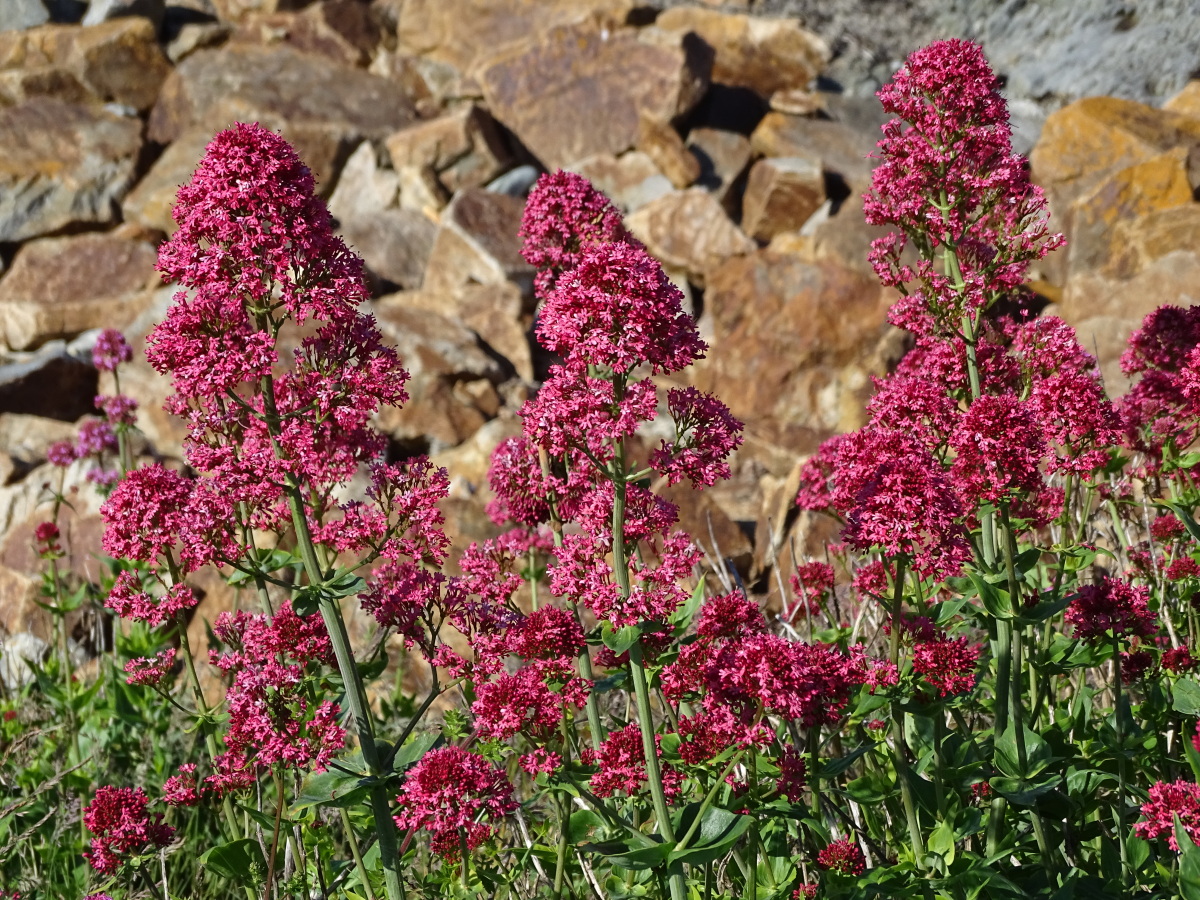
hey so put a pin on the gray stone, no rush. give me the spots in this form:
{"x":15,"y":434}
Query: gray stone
{"x":323,"y":108}
{"x":394,"y":243}
{"x":63,"y":164}
{"x":16,"y":15}
{"x":723,"y":156}
{"x":630,"y":181}
{"x":104,"y":10}
{"x":515,"y":183}
{"x":61,"y":287}
{"x":50,"y":382}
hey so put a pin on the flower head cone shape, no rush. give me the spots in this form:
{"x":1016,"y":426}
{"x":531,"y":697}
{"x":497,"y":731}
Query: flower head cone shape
{"x":617,"y":309}
{"x":256,"y":249}
{"x":1162,"y":409}
{"x":564,"y":214}
{"x":949,"y":179}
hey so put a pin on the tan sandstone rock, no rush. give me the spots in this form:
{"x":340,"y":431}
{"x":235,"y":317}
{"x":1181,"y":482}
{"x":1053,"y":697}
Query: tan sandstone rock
{"x":763,"y":54}
{"x":62,"y":165}
{"x":323,"y":108}
{"x":781,"y":195}
{"x":584,"y":75}
{"x":689,"y":230}
{"x":60,"y":287}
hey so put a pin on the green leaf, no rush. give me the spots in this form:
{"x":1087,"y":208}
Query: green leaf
{"x":719,"y":831}
{"x":1185,"y":696}
{"x":682,"y":617}
{"x":995,"y":601}
{"x":1189,"y":863}
{"x":1037,"y":753}
{"x":331,"y":788}
{"x":1046,"y":608}
{"x":306,"y":599}
{"x":411,"y":752}
{"x":240,"y":861}
{"x":941,"y":841}
{"x":1022,"y":792}
{"x":622,"y":639}
{"x":622,"y":853}
{"x":343,"y":584}
{"x":835,"y":767}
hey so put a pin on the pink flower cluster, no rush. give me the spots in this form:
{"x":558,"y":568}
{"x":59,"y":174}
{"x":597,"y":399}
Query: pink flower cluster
{"x":1111,"y":607}
{"x":843,"y":856}
{"x":122,"y":827}
{"x":452,"y":791}
{"x":271,"y":718}
{"x":1168,"y":800}
{"x":948,"y":179}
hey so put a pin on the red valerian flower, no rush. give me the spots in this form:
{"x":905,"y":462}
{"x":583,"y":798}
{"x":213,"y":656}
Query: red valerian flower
{"x":110,"y":350}
{"x":843,"y":856}
{"x":1111,"y":607}
{"x":564,"y":215}
{"x":1168,"y":800}
{"x":948,"y":178}
{"x":705,"y":434}
{"x":622,"y":762}
{"x":452,"y":789}
{"x":122,"y":828}
{"x":948,"y":665}
{"x":152,"y":671}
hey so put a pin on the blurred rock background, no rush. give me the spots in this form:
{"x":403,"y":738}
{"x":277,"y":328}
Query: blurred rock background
{"x":736,"y":138}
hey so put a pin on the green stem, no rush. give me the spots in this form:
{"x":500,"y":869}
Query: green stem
{"x":1126,"y":872}
{"x":814,"y":785}
{"x":637,"y":666}
{"x":356,"y":853}
{"x":356,"y":698}
{"x":274,"y":837}
{"x":898,"y":740}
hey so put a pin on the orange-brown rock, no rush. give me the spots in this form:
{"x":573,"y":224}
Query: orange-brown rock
{"x":781,"y":195}
{"x":793,"y":344}
{"x":1102,"y":219}
{"x":119,"y":61}
{"x":63,"y":164}
{"x":452,"y":385}
{"x":689,"y":231}
{"x":463,"y":33}
{"x":394,"y":243}
{"x":630,"y":180}
{"x":60,"y":287}
{"x":763,"y":54}
{"x":464,"y":148}
{"x":495,"y":312}
{"x":839,"y":146}
{"x":323,"y":108}
{"x":1084,"y":143}
{"x":583,"y":75}
{"x":152,"y":200}
{"x":478,"y":243}
{"x":1186,"y":102}
{"x":662,"y":143}
{"x":723,"y":156}
{"x":341,"y":30}
{"x":1106,"y":310}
